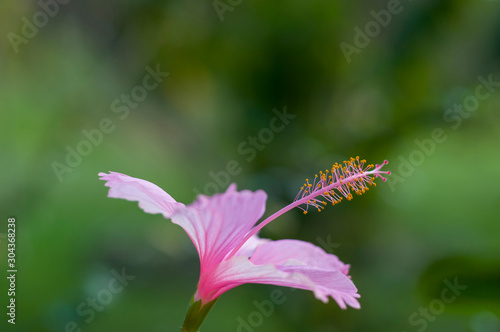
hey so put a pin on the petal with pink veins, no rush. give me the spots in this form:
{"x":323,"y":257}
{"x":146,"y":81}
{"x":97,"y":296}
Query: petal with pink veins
{"x":327,"y":283}
{"x":216,"y":224}
{"x":151,"y":198}
{"x":249,"y":247}
{"x":279,"y":252}
{"x":239,"y":270}
{"x":326,"y":271}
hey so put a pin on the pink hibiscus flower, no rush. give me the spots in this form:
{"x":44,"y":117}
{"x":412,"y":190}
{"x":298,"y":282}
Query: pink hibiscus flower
{"x":224,"y":231}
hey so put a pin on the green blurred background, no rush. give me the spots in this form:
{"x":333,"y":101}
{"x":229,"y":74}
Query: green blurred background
{"x":436,"y":220}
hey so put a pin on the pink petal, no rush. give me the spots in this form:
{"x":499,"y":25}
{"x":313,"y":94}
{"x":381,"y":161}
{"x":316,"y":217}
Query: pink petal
{"x":151,"y":198}
{"x":249,"y":247}
{"x":279,"y":252}
{"x":239,"y":270}
{"x":326,"y":271}
{"x":328,"y":283}
{"x":216,"y":224}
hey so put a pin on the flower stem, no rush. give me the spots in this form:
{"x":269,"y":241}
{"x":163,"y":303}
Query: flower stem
{"x":196,"y":314}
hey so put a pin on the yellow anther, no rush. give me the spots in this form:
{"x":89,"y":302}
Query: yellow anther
{"x":352,"y":177}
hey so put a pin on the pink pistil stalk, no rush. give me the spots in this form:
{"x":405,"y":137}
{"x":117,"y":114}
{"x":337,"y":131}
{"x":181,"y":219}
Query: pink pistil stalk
{"x":342,"y":179}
